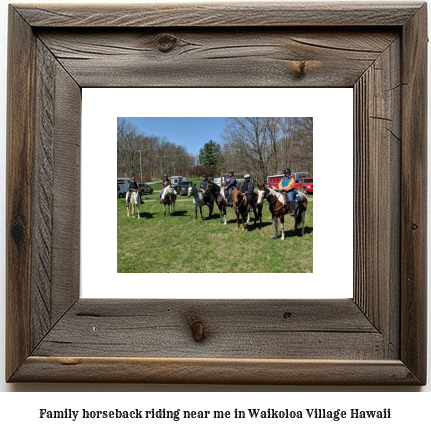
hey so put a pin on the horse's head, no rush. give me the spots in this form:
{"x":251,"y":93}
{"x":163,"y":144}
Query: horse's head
{"x":209,"y":188}
{"x":237,"y":197}
{"x":190,"y":190}
{"x":261,"y":195}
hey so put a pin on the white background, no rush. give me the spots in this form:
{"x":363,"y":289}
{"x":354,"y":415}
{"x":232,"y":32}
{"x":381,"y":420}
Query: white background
{"x":332,"y":110}
{"x":411,"y":408}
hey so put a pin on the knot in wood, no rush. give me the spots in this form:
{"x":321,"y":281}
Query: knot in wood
{"x":197,"y":327}
{"x":18,"y":233}
{"x":167,"y":42}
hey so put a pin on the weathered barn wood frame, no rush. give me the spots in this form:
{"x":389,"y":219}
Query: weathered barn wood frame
{"x":378,"y":337}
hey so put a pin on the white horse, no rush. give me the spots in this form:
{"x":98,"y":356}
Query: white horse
{"x":198,"y":199}
{"x":168,"y":198}
{"x":134,"y":203}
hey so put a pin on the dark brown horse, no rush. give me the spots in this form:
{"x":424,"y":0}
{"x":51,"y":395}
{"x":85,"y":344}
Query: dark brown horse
{"x":257,"y":210}
{"x":220,"y":200}
{"x":279,"y":210}
{"x":240,"y":206}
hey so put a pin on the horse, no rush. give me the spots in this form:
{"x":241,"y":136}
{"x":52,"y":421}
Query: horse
{"x":134,"y":202}
{"x":278,"y":209}
{"x":168,"y":198}
{"x":209,"y":200}
{"x":220,"y":200}
{"x":240,"y":206}
{"x":198,"y":199}
{"x":258,"y":206}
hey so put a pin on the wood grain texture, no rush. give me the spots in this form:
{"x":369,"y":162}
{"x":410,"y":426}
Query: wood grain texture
{"x":20,"y":169}
{"x":377,"y":338}
{"x":214,"y":57}
{"x":215,"y":371}
{"x":413,"y":209}
{"x":220,"y":14}
{"x":234,"y":329}
{"x":56,"y":191}
{"x":377,"y":192}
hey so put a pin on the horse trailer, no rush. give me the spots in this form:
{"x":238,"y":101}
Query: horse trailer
{"x":123,"y":186}
{"x":274,"y":180}
{"x":175,"y":181}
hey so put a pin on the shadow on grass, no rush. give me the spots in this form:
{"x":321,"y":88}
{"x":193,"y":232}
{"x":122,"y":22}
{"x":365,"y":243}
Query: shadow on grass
{"x":289,"y":233}
{"x":262,"y":225}
{"x":178,"y":213}
{"x":147,"y":215}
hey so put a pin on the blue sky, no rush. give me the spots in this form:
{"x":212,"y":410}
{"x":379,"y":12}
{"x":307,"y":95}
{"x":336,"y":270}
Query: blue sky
{"x":190,"y":132}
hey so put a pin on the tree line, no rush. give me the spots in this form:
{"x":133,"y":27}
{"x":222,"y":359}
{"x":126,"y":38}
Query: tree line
{"x":148,"y":157}
{"x":260,"y":146}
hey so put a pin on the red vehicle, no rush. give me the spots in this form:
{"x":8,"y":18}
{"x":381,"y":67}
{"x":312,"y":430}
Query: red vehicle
{"x":274,"y":180}
{"x":305,"y":185}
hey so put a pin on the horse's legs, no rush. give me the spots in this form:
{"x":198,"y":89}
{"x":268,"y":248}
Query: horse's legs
{"x":196,"y":213}
{"x":128,"y":210}
{"x":275,"y":221}
{"x":200,"y":209}
{"x":164,"y":210}
{"x":237,"y":220}
{"x":282,"y":227}
{"x":303,"y":221}
{"x":139,"y":211}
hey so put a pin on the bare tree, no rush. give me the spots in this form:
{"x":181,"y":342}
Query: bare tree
{"x":264,"y":146}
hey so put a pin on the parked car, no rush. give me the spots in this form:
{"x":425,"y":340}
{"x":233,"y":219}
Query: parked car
{"x":183,"y":187}
{"x":145,"y":188}
{"x":305,"y":185}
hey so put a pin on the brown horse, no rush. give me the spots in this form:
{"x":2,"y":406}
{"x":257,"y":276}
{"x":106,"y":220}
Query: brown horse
{"x":257,"y":210}
{"x":240,"y":206}
{"x":220,"y":200}
{"x":279,"y":210}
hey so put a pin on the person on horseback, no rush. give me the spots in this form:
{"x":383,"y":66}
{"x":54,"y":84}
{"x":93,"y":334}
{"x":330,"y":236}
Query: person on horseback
{"x":230,"y":184}
{"x":133,"y":187}
{"x":247,"y":189}
{"x":204,"y":182}
{"x":286,"y":186}
{"x":165,"y":183}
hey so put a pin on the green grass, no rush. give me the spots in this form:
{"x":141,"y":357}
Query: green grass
{"x":155,"y":243}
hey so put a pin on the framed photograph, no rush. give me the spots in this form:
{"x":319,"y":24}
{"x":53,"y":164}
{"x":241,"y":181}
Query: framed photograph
{"x":377,"y":337}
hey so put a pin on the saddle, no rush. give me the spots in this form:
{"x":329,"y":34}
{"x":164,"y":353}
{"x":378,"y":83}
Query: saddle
{"x":229,"y":202}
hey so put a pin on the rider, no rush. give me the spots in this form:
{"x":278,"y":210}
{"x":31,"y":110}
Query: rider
{"x":287,"y":185}
{"x":166,"y":182}
{"x":133,"y":187}
{"x":204,"y":182}
{"x":247,"y":189}
{"x":230,"y":184}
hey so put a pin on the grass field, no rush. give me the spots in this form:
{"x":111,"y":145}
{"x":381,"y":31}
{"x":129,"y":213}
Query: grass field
{"x":179,"y":244}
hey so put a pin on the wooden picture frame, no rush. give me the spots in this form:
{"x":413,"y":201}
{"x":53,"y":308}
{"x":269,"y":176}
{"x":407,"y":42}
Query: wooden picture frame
{"x":376,"y":338}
